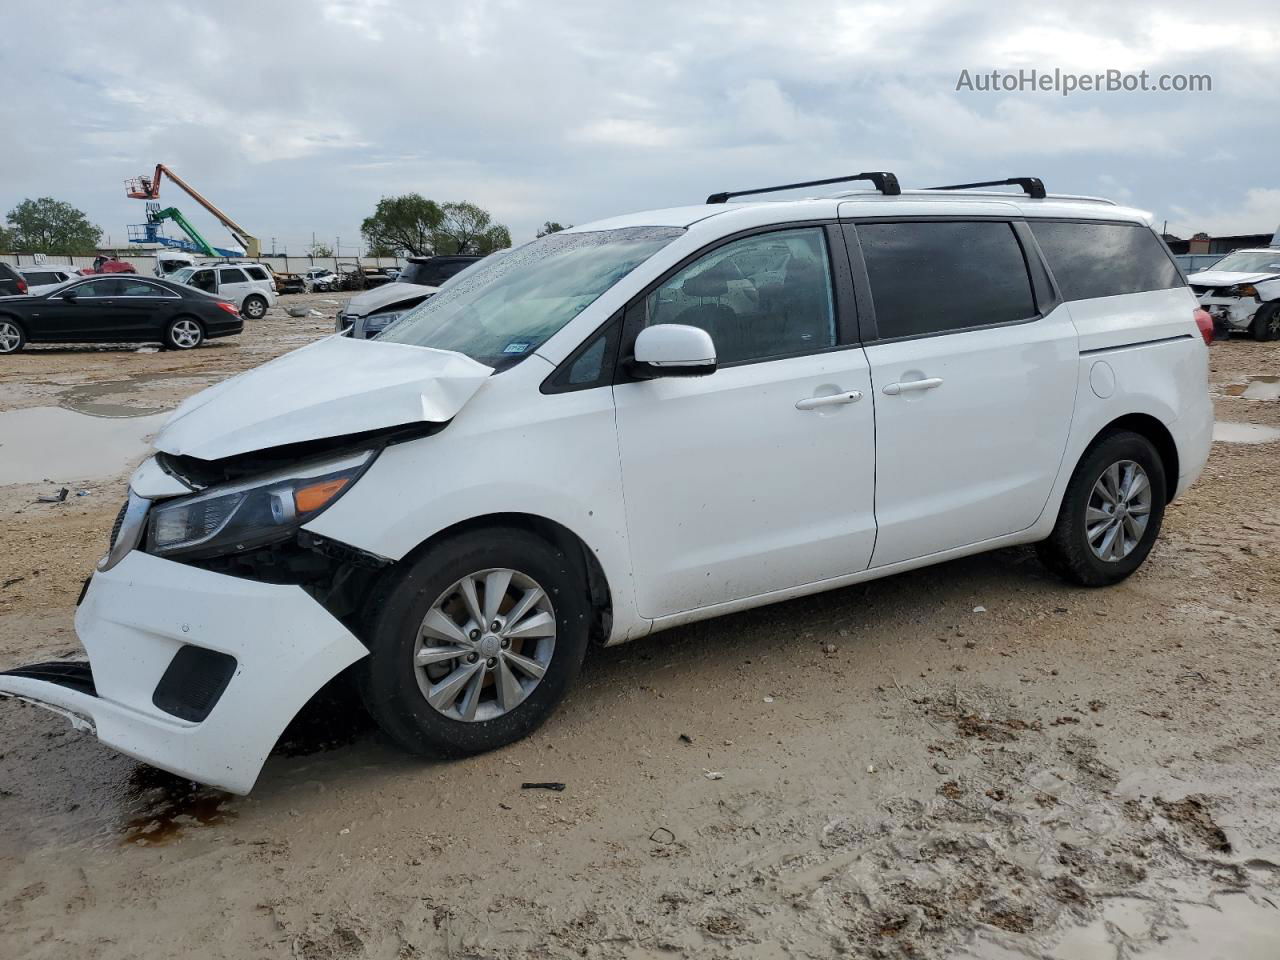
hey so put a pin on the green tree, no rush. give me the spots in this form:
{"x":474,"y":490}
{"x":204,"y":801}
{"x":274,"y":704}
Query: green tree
{"x":381,"y":250}
{"x":551,"y":226}
{"x":467,"y":228}
{"x":319,"y":249}
{"x":6,"y":241}
{"x":52,"y":226}
{"x":404,"y":225}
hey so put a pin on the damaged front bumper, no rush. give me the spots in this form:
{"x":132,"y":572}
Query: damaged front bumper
{"x":1230,"y":313}
{"x":194,"y":672}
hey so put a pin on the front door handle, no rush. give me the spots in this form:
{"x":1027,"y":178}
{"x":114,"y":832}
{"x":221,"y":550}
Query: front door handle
{"x":813,"y":403}
{"x":893,"y":389}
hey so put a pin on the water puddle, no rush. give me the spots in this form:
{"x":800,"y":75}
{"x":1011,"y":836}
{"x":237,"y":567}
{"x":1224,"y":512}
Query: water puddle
{"x":172,"y":809}
{"x":1225,"y":432}
{"x":1255,"y":388}
{"x":62,"y":446}
{"x":1233,"y":927}
{"x":127,"y":397}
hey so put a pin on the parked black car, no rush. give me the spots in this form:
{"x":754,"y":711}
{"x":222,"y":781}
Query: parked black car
{"x":11,"y":281}
{"x":434,"y":271}
{"x":117,"y":309}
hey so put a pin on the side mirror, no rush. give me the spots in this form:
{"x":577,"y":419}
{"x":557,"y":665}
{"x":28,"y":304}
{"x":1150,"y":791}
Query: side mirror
{"x":70,"y":296}
{"x":673,"y":350}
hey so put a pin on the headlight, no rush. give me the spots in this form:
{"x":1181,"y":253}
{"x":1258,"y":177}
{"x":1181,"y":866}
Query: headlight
{"x":1244,"y":290}
{"x":380,"y":321}
{"x":234,"y":517}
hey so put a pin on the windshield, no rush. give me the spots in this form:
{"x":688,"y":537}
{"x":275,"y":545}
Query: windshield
{"x":504,"y":308}
{"x":183,"y":275}
{"x":1251,"y":261}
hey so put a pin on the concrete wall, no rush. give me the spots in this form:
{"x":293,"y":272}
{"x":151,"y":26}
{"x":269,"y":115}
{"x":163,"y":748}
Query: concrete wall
{"x":147,"y":265}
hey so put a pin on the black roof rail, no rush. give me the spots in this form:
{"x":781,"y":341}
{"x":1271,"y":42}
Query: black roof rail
{"x":1031,"y":186}
{"x":884,"y":181}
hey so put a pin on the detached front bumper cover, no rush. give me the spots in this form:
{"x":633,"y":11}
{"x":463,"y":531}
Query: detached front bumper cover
{"x":138,"y":616}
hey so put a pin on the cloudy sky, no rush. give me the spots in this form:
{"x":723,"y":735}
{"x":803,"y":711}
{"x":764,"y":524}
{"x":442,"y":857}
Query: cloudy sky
{"x":297,"y":117}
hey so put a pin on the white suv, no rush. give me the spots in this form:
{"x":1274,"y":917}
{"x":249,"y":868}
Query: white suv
{"x":630,"y":425}
{"x":249,"y":286}
{"x":1242,"y":292}
{"x":45,"y":277}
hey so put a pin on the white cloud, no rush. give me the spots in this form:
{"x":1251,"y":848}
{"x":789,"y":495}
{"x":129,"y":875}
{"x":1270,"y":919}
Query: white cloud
{"x":588,"y":108}
{"x":1258,"y":211}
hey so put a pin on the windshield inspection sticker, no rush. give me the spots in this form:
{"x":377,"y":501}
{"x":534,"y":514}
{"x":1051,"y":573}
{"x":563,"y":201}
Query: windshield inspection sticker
{"x":517,"y":347}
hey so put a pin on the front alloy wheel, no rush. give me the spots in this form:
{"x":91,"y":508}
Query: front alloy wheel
{"x":473,"y":643}
{"x":485,"y":644}
{"x":1266,"y":322}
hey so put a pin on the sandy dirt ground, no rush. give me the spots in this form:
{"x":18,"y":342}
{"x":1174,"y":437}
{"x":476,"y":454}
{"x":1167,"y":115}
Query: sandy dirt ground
{"x":972,"y":761}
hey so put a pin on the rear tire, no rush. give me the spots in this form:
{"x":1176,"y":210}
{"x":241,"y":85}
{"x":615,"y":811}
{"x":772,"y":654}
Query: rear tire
{"x":183,"y":333}
{"x":413,"y":652}
{"x":12,"y":337}
{"x":1266,"y":322}
{"x":254,"y":308}
{"x":1095,"y":543}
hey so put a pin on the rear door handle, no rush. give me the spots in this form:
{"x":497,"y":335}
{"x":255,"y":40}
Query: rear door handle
{"x":813,"y":403}
{"x":893,"y":389}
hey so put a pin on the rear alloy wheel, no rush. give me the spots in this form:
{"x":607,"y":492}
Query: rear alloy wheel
{"x":476,"y":642}
{"x":255,"y":308}
{"x":1111,"y":512}
{"x":12,"y":338}
{"x":1266,"y":322}
{"x":185,"y":333}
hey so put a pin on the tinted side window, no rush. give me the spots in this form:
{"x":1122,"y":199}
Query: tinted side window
{"x":929,"y":277}
{"x":139,"y":288}
{"x":98,"y":288}
{"x":232,"y":275}
{"x":763,"y":296}
{"x":204,"y":280}
{"x":256,"y":273}
{"x":39,"y":279}
{"x":1104,"y":259}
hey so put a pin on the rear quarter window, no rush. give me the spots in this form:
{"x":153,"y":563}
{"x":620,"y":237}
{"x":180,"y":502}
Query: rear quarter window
{"x":256,"y":273}
{"x":1090,"y":259}
{"x":930,"y":277}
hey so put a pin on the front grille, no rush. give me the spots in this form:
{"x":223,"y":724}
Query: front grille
{"x":75,"y":674}
{"x":193,"y":683}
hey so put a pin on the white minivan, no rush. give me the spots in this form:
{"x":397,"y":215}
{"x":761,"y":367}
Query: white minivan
{"x":629,"y":425}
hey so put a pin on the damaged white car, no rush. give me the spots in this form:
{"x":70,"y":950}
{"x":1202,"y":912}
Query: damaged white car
{"x":1242,"y":292}
{"x":627,"y":426}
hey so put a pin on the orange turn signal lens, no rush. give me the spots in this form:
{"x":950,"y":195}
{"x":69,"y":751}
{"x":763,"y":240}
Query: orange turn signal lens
{"x":316,"y":495}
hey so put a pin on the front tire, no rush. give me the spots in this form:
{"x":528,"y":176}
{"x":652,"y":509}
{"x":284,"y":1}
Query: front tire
{"x":12,"y":336}
{"x":1266,"y":322}
{"x":1111,"y":512}
{"x":184,"y":333}
{"x":475,"y":644}
{"x":254,"y":308}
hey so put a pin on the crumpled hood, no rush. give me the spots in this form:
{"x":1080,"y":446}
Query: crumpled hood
{"x":333,"y":387}
{"x":1225,"y":278}
{"x":371,"y":301}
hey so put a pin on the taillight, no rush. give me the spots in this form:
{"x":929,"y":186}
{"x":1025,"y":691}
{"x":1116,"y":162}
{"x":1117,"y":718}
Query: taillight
{"x":1205,"y":323}
{"x":229,"y":307}
{"x":22,"y":285}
